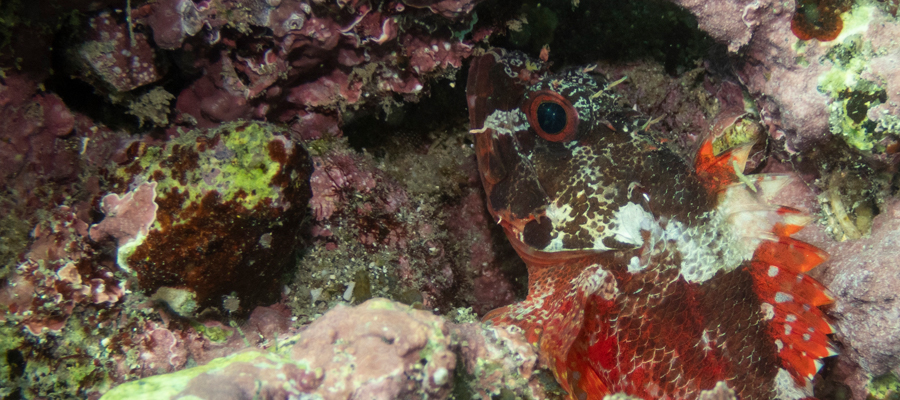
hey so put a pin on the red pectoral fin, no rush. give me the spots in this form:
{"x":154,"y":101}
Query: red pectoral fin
{"x":791,"y":300}
{"x":791,"y":254}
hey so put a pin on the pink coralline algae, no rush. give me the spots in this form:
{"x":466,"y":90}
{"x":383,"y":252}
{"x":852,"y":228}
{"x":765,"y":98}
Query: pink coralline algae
{"x":313,"y":125}
{"x":427,"y":54}
{"x":31,"y":128}
{"x":377,"y":350}
{"x":687,"y":105}
{"x":863,"y":275}
{"x":317,"y":59}
{"x":400,"y":244}
{"x":498,"y":360}
{"x":446,"y":8}
{"x":127,"y":217}
{"x":333,"y":175}
{"x":211,"y":100}
{"x":325,"y":91}
{"x":173,"y":20}
{"x":161,"y":349}
{"x":386,"y":220}
{"x":491,"y":287}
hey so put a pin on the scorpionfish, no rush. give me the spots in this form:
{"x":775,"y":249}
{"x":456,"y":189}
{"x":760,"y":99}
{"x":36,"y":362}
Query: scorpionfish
{"x":651,"y":274}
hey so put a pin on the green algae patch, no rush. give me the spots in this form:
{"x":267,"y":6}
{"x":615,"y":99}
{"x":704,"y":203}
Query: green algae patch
{"x":12,"y":365}
{"x":213,"y":333}
{"x":238,"y":161}
{"x":884,"y":387}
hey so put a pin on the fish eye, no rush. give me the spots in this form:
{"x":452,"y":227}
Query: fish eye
{"x":552,"y":116}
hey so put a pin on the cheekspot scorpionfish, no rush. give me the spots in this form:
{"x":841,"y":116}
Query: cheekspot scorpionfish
{"x":650,"y":275}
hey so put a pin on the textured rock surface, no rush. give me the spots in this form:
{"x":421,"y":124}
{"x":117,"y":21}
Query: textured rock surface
{"x":864,"y":276}
{"x":808,"y":90}
{"x":377,"y":350}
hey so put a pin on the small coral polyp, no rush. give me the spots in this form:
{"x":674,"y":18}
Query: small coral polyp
{"x":819,"y":19}
{"x":231,"y":201}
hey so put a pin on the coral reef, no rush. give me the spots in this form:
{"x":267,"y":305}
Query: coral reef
{"x":144,"y":229}
{"x":499,"y":362}
{"x":128,"y":218}
{"x":35,"y":153}
{"x":277,"y":59}
{"x":61,"y":271}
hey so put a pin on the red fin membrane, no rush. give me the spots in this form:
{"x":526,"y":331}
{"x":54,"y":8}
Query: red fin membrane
{"x":718,"y":172}
{"x":790,"y":301}
{"x":789,"y":297}
{"x":586,"y":383}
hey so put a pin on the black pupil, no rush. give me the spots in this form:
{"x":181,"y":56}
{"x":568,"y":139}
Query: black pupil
{"x":551,"y":117}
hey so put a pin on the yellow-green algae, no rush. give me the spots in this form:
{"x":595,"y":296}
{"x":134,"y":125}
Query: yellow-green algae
{"x":884,"y":387}
{"x":851,"y":95}
{"x":10,"y":341}
{"x":248,"y":168}
{"x":238,"y":166}
{"x":213,"y":333}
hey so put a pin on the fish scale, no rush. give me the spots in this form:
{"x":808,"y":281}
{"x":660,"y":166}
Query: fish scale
{"x":650,"y":275}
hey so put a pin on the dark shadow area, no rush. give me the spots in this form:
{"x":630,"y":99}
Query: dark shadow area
{"x":607,"y":30}
{"x":410,"y":124}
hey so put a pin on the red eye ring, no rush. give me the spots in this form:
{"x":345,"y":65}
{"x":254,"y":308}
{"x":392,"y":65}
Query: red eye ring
{"x":544,"y":105}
